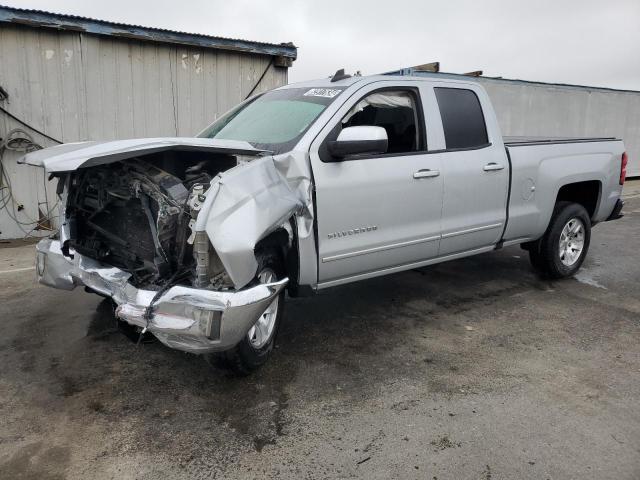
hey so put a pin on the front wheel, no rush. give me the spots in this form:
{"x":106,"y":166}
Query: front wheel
{"x":564,"y":246}
{"x":256,"y":346}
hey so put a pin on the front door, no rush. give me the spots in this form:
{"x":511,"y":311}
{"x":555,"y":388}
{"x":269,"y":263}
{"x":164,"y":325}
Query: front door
{"x":380,"y":211}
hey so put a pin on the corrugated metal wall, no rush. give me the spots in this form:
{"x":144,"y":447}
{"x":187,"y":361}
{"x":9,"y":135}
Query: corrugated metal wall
{"x":525,"y":108}
{"x":75,"y":86}
{"x":528,"y":108}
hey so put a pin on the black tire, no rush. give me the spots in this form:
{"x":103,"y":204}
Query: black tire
{"x":244,"y":358}
{"x":544,"y":253}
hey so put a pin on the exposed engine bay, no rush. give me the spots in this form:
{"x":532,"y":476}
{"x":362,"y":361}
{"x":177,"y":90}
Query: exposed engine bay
{"x":174,"y":230}
{"x":137,"y":214}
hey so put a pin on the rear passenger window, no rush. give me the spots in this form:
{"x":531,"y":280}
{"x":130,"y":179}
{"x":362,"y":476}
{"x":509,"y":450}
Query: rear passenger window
{"x":462,"y":118}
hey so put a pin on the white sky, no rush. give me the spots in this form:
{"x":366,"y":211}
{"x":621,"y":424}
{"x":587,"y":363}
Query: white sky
{"x":585,"y":42}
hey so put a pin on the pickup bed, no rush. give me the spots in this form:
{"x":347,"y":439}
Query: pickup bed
{"x":307,"y":187}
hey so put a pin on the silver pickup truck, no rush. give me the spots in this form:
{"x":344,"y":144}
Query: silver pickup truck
{"x":311,"y":186}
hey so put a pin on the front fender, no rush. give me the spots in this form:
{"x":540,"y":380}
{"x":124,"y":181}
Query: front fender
{"x":242,"y":207}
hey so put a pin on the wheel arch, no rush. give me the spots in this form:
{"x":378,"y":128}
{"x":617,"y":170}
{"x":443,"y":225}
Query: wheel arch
{"x":586,"y":193}
{"x":583,"y":190}
{"x":284,"y":240}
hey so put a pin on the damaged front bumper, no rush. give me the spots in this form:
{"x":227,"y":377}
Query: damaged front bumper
{"x":190,"y":319}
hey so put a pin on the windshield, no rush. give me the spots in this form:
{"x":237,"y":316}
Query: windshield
{"x":274,"y":121}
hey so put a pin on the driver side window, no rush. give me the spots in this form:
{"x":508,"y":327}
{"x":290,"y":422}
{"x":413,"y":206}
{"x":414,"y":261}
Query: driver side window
{"x":396,"y":112}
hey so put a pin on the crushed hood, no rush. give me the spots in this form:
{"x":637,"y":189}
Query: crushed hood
{"x":71,"y":156}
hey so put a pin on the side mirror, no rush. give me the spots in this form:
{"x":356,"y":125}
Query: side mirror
{"x":359,"y":140}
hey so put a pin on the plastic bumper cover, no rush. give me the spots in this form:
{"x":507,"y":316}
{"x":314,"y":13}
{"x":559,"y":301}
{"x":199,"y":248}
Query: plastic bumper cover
{"x":189,"y":319}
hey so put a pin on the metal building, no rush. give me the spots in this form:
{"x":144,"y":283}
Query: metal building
{"x":73,"y":78}
{"x":543,"y":109}
{"x":527,"y":108}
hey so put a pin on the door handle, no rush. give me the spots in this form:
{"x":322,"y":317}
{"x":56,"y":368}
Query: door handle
{"x":489,"y":167}
{"x":426,"y":173}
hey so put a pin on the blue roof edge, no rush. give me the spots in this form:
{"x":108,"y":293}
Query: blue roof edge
{"x":58,"y":21}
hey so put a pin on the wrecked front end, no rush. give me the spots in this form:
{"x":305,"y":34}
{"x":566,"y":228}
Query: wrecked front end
{"x":196,"y":320}
{"x":168,"y":233}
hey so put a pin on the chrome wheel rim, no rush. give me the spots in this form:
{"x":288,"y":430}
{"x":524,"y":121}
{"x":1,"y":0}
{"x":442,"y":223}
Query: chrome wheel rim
{"x":260,"y":333}
{"x":571,"y":242}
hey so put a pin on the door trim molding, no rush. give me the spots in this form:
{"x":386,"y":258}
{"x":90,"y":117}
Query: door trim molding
{"x":380,"y":249}
{"x":391,"y":246}
{"x":472,"y":230}
{"x":400,"y":268}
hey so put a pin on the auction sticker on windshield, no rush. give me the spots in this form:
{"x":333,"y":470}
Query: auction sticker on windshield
{"x":322,"y":92}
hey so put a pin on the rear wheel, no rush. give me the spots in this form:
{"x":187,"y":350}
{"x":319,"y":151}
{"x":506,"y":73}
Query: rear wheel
{"x":564,"y":246}
{"x":256,"y":346}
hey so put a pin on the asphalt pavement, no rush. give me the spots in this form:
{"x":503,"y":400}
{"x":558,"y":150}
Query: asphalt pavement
{"x":472,"y":369}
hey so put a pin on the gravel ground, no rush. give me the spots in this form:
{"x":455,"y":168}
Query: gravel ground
{"x":473,"y":369}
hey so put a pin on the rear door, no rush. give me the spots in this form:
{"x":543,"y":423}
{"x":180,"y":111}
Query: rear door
{"x":475,"y":170}
{"x":377,"y":212}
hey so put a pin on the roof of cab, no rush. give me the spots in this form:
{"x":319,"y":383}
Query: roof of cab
{"x":347,"y":82}
{"x":324,"y":83}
